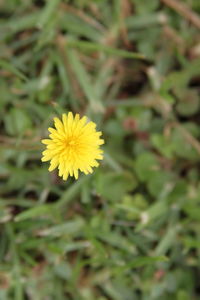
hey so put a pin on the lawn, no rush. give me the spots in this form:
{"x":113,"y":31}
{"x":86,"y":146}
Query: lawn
{"x":131,"y":229}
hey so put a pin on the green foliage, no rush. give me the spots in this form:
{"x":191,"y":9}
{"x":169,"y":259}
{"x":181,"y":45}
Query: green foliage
{"x":130,"y":230}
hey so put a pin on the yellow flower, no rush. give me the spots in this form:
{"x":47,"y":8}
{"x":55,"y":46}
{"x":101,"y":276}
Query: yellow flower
{"x":73,"y":145}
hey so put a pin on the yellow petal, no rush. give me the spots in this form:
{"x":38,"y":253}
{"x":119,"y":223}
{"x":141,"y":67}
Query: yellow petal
{"x":65,"y":175}
{"x":64,"y":119}
{"x":90,"y":169}
{"x":58,"y":124}
{"x":46,"y":141}
{"x":45,"y":158}
{"x":69,"y":120}
{"x":61,"y":167}
{"x":54,"y":163}
{"x":76,"y":173}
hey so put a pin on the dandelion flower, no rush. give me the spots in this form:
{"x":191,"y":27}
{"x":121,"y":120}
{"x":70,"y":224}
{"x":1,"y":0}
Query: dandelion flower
{"x":73,"y":145}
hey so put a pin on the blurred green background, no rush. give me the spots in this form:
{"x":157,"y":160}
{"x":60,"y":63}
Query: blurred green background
{"x":131,"y":230}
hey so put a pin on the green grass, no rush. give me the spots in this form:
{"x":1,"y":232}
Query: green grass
{"x":131,"y":230}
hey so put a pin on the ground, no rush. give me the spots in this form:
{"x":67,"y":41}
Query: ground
{"x":130,"y":230}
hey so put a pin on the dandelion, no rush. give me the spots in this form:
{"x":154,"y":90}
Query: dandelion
{"x":73,"y":146}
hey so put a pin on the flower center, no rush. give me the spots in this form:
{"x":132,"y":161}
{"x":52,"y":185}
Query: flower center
{"x":70,"y":143}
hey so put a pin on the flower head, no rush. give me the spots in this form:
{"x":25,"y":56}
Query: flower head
{"x":73,"y":146}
